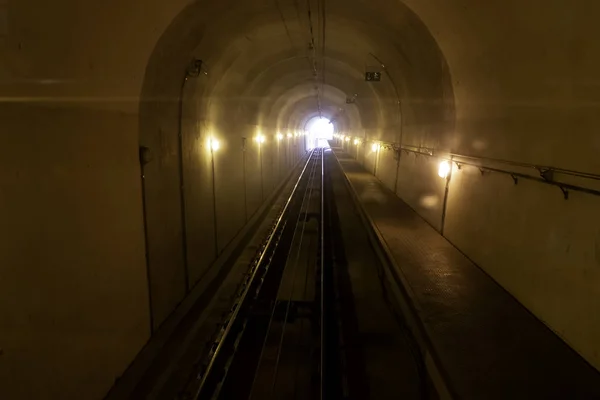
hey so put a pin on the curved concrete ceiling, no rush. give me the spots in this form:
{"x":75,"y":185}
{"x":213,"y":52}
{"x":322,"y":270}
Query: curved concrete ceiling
{"x":276,"y":64}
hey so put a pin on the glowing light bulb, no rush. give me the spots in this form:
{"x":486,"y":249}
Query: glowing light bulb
{"x":213,"y":144}
{"x":289,"y":135}
{"x":374,"y":147}
{"x":260,"y":138}
{"x":444,"y":169}
{"x":347,"y":138}
{"x":356,"y":142}
{"x":279,"y":136}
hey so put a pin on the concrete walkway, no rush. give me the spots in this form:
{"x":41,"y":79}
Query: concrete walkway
{"x":486,"y":344}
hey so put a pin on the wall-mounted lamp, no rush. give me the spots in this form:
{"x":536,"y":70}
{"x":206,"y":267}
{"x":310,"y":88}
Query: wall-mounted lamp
{"x":259,"y":138}
{"x":356,"y":142}
{"x":375,"y":147}
{"x":444,"y":169}
{"x":279,"y":136}
{"x":347,"y":139}
{"x":213,"y":144}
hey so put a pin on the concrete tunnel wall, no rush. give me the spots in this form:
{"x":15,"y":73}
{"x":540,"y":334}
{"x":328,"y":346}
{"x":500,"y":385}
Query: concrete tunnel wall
{"x":84,"y":84}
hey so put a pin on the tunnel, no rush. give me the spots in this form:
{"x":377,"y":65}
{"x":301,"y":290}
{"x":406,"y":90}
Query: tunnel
{"x":144,"y":142}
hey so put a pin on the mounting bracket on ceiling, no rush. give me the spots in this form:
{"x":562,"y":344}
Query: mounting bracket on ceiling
{"x":194,"y":69}
{"x":372,"y":76}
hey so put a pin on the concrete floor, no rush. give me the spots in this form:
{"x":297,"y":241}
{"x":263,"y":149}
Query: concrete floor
{"x":390,"y":368}
{"x":484,"y":341}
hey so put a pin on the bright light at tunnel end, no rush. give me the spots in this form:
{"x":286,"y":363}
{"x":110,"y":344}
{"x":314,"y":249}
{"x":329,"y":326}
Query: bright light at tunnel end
{"x":444,"y":169}
{"x":318,"y":132}
{"x":321,"y":128}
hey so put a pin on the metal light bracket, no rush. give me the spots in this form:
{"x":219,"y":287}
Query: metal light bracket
{"x":547,"y":175}
{"x":565,"y":192}
{"x":194,"y":68}
{"x":145,"y":155}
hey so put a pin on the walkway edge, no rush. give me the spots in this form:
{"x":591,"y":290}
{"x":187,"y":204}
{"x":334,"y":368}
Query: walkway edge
{"x":403,"y":294}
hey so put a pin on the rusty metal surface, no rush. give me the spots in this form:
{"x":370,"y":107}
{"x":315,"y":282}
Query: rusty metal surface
{"x":487,"y":343}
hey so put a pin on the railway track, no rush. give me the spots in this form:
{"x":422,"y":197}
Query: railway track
{"x":293,"y":330}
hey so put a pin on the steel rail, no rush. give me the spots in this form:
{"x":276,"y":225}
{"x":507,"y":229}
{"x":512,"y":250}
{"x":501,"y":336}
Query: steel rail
{"x":236,"y":308}
{"x":322,"y":266}
{"x":272,"y":314}
{"x":309,"y":191}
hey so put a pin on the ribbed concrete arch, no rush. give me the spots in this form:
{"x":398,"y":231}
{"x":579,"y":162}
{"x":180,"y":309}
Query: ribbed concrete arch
{"x":239,"y":29}
{"x":299,"y":102}
{"x":301,"y":87}
{"x":346,"y":72}
{"x":341,"y":120}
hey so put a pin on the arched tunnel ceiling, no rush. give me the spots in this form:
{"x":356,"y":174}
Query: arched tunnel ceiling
{"x":297,"y":105}
{"x":265,"y":67}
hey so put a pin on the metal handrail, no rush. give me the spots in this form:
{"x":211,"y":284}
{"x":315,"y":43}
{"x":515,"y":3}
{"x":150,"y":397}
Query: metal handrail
{"x":431,"y":152}
{"x":563,"y":186}
{"x":544,"y":171}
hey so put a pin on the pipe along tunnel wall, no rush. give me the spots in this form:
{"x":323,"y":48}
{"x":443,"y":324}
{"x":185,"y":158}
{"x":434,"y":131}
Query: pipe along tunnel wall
{"x":85,"y":84}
